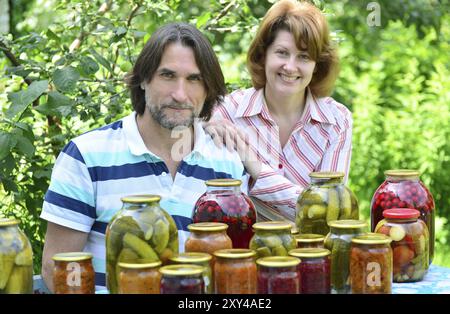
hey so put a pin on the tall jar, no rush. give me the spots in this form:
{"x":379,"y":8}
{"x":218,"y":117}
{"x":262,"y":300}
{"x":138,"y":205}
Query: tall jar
{"x":139,"y":278}
{"x":73,"y":273}
{"x":410,"y":243}
{"x":371,"y":264}
{"x":224,"y":202}
{"x":182,"y":279}
{"x":16,"y":259}
{"x":324,"y":200}
{"x":278,"y":275}
{"x":141,"y":232}
{"x":272,"y":238}
{"x":235,"y":271}
{"x":338,"y":241}
{"x":197,"y":258}
{"x":403,"y":189}
{"x":309,"y":240}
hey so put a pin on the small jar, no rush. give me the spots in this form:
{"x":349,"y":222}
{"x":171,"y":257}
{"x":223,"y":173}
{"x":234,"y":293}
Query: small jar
{"x":278,"y":275}
{"x":371,"y":264}
{"x":410,"y":243}
{"x":182,"y":279}
{"x":207,"y":237}
{"x":338,"y":241}
{"x":235,"y":271}
{"x":314,"y":270}
{"x":309,"y":240}
{"x":73,"y":273}
{"x":197,"y":258}
{"x":139,"y":278}
{"x":272,"y":238}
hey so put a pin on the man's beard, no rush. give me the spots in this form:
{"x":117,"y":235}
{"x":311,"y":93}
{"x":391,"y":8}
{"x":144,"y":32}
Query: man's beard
{"x":167,"y":122}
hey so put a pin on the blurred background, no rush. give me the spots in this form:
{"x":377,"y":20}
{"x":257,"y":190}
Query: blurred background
{"x":62,"y":65}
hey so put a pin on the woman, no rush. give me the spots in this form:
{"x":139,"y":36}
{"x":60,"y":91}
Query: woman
{"x":288,"y":118}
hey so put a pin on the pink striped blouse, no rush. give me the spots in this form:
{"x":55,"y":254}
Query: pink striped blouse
{"x":321,"y":141}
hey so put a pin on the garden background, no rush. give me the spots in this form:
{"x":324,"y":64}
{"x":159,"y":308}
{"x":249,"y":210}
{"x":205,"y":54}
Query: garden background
{"x":62,"y":65}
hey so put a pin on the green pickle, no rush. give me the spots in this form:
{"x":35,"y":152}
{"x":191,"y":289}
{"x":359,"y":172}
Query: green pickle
{"x":272,"y":238}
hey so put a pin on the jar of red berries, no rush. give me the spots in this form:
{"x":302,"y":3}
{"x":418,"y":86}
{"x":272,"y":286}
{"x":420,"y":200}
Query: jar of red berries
{"x":403,"y":189}
{"x":224,"y":202}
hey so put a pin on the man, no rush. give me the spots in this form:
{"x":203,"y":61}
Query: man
{"x":175,"y":80}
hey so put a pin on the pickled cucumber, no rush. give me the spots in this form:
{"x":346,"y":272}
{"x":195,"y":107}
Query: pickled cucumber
{"x":340,"y":265}
{"x":149,"y":217}
{"x":272,"y":241}
{"x":345,"y":203}
{"x":139,"y":246}
{"x":306,"y":226}
{"x":127,"y":224}
{"x":173,"y":230}
{"x":149,"y":233}
{"x":312,"y":197}
{"x":317,"y":211}
{"x":333,"y":205}
{"x":320,"y":226}
{"x":279,"y":251}
{"x":263,"y":251}
{"x":25,"y":257}
{"x":127,"y":255}
{"x":20,"y":280}
{"x":6,"y":267}
{"x":174,"y":245}
{"x":161,"y":235}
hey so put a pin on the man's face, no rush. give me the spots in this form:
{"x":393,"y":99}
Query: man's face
{"x":176,"y":93}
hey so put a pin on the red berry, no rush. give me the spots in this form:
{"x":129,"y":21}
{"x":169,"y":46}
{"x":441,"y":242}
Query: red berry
{"x":401,"y":204}
{"x":383,"y":204}
{"x":388,"y":204}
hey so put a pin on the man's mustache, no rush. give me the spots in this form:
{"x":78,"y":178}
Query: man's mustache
{"x":178,"y":106}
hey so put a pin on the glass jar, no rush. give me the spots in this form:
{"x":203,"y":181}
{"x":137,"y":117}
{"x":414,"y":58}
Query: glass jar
{"x":309,"y":240}
{"x":403,"y":189}
{"x":207,"y":237}
{"x":278,"y":275}
{"x":235,"y":271}
{"x":196,"y":258}
{"x":224,"y":202}
{"x":314,"y":270}
{"x":410,"y":243}
{"x":139,"y":278}
{"x":338,"y":241}
{"x":73,"y":273}
{"x":371,"y":264}
{"x":16,"y":259}
{"x":324,"y":200}
{"x":141,"y":232}
{"x":182,"y":279}
{"x":272,"y":238}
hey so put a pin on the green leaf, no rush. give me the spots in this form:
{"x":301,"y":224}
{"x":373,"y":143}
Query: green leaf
{"x":20,"y":100}
{"x":5,"y":144}
{"x":101,"y":60}
{"x":61,"y":103}
{"x":66,"y":79}
{"x":25,"y":146}
{"x":42,"y":174}
{"x":7,"y":164}
{"x":88,"y":66}
{"x":52,"y":35}
{"x":203,"y":19}
{"x":9,"y":185}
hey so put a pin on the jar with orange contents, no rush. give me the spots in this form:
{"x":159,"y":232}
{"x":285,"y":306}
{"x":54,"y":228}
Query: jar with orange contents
{"x":137,"y":278}
{"x":73,"y":273}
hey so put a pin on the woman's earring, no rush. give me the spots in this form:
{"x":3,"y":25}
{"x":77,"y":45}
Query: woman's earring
{"x":142,"y":86}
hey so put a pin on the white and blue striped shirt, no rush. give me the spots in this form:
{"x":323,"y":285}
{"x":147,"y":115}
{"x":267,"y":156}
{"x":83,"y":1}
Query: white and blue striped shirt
{"x":95,"y":170}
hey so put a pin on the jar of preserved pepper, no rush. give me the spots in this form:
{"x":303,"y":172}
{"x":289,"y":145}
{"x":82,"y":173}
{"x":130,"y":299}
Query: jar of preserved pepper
{"x":182,"y":279}
{"x":324,"y":200}
{"x":278,"y":275}
{"x":338,"y":241}
{"x":73,"y":273}
{"x":371,"y":264}
{"x":197,"y":258}
{"x":141,"y":232}
{"x":404,"y":189}
{"x":272,"y":238}
{"x":314,"y":270}
{"x":309,"y":240}
{"x":235,"y":271}
{"x":410,"y":243}
{"x":16,"y":259}
{"x":139,"y":278}
{"x":224,"y":202}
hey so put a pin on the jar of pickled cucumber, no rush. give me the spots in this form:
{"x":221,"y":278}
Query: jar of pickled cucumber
{"x":272,"y":238}
{"x":139,"y":278}
{"x":338,"y":241}
{"x":410,"y":243}
{"x":16,"y":259}
{"x":314,"y":270}
{"x":182,"y":279}
{"x":141,"y":232}
{"x":224,"y":202}
{"x":324,"y":200}
{"x":73,"y":273}
{"x":371,"y":264}
{"x":278,"y":275}
{"x":197,"y":258}
{"x":309,"y":240}
{"x":404,"y":189}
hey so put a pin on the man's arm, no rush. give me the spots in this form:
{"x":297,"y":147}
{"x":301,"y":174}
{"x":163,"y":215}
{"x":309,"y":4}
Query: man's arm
{"x":59,"y":239}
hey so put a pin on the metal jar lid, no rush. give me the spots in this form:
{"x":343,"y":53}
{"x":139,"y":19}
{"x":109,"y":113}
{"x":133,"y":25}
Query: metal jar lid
{"x":72,"y":256}
{"x":191,"y":257}
{"x":235,"y":253}
{"x":182,"y":270}
{"x":309,"y":252}
{"x":223,"y":182}
{"x":272,"y":225}
{"x":141,"y":199}
{"x":278,"y":261}
{"x":207,"y":226}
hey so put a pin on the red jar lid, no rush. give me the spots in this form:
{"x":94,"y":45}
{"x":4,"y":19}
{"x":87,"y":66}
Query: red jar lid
{"x":401,"y":213}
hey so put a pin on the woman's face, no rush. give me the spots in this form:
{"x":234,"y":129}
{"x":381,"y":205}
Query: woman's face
{"x":288,"y":70}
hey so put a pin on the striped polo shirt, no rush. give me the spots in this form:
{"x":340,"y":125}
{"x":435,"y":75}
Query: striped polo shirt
{"x":96,"y":169}
{"x":320,"y":141}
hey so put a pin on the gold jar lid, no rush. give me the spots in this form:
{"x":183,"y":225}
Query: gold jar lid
{"x":235,"y":253}
{"x":295,"y":231}
{"x":6,"y":222}
{"x":223,"y":182}
{"x":141,"y":199}
{"x":207,"y":226}
{"x":272,"y":225}
{"x":326,"y":175}
{"x":139,"y":265}
{"x":309,"y":238}
{"x":72,"y":256}
{"x":278,"y":261}
{"x":372,"y":238}
{"x":309,"y":252}
{"x":403,"y":173}
{"x":182,"y":270}
{"x":347,"y":224}
{"x":191,"y":257}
